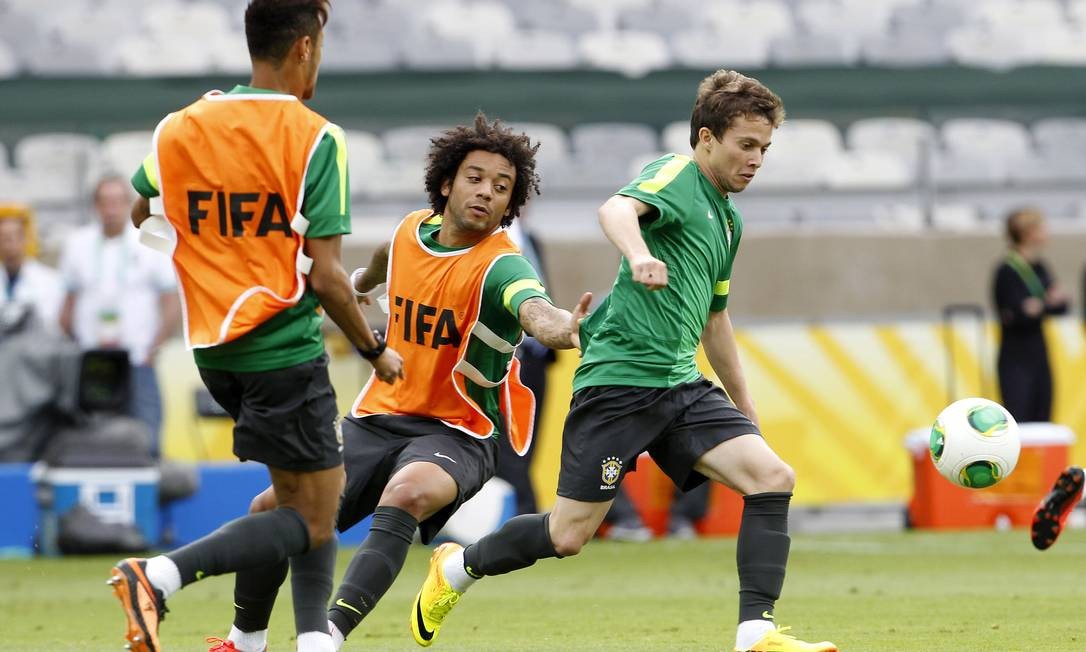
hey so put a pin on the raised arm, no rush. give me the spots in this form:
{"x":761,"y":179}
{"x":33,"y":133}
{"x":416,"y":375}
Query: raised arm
{"x":718,"y":338}
{"x":375,"y":274}
{"x":554,"y":327}
{"x":620,"y":218}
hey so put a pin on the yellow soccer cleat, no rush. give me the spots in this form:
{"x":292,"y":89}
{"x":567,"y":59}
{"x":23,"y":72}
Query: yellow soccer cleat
{"x":778,"y":641}
{"x":435,"y":599}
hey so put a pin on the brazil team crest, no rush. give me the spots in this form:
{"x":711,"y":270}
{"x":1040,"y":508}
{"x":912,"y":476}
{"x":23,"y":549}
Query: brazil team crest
{"x":611,"y":470}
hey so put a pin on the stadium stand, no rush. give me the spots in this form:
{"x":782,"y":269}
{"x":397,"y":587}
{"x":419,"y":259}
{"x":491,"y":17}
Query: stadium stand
{"x":952,"y":167}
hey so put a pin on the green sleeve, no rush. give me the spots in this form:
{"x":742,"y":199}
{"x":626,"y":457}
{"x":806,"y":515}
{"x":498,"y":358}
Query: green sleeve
{"x":145,"y":180}
{"x":722,"y":287}
{"x":665,"y":184}
{"x":327,"y":203}
{"x":511,"y":282}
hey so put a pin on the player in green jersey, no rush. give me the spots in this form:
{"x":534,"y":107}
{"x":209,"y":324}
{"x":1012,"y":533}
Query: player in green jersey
{"x":638,"y":388}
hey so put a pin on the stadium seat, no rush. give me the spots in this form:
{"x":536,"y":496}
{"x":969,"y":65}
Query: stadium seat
{"x":63,"y":57}
{"x":553,"y":153}
{"x":229,"y":53}
{"x":537,"y":50}
{"x":844,"y":18}
{"x":631,"y":53}
{"x":800,"y":50}
{"x":364,"y":159}
{"x":1060,"y":134}
{"x":797,"y":143}
{"x":123,"y":152}
{"x":605,"y":149}
{"x":483,"y":23}
{"x":986,"y":136}
{"x":913,"y":46}
{"x":149,"y":56}
{"x":9,"y":65}
{"x":667,"y":18}
{"x":57,"y":166}
{"x":767,"y":19}
{"x":676,"y":137}
{"x":710,"y":49}
{"x":367,"y":50}
{"x":433,"y":53}
{"x":608,"y":11}
{"x":909,"y":138}
{"x":555,"y":16}
{"x":411,"y":143}
{"x":870,"y":169}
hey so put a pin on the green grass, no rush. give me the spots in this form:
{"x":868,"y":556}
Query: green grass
{"x":919,"y":592}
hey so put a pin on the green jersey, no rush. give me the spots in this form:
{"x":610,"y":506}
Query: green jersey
{"x":509,"y":282}
{"x":649,"y":339}
{"x":292,"y":336}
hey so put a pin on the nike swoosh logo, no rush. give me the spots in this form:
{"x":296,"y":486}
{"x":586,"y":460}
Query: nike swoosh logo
{"x":200,"y":575}
{"x":767,"y":615}
{"x":423,"y":632}
{"x":342,"y":603}
{"x":446,"y":457}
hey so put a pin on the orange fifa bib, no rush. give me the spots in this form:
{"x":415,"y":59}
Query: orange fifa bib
{"x":232,"y":180}
{"x":434,"y":303}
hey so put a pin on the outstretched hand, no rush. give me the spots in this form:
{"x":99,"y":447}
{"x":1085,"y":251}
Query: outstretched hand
{"x":580,"y":311}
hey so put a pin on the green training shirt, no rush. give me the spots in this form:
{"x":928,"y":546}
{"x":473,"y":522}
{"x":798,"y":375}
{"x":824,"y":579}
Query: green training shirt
{"x":649,"y":339}
{"x":510,"y":282}
{"x":293,"y":336}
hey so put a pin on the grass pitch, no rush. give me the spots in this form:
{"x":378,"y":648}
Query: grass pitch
{"x":919,"y":592}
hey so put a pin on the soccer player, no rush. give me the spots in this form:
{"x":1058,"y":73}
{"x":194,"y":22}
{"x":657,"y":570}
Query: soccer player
{"x":1054,"y":510}
{"x":460,"y":297}
{"x":638,"y":387}
{"x":254,"y":187}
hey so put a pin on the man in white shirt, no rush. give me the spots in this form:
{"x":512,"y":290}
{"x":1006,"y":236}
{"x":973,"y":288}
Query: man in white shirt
{"x":23,"y":279}
{"x":120,"y":296}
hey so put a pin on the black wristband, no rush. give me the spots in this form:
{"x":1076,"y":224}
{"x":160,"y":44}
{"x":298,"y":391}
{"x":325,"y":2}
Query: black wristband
{"x":375,"y":352}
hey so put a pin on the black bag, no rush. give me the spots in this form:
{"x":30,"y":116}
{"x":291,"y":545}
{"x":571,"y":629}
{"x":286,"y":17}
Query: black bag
{"x":82,"y":532}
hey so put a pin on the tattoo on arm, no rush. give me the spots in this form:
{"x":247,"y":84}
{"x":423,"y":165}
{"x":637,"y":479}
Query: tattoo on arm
{"x":546,"y":323}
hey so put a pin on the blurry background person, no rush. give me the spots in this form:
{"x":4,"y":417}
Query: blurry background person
{"x":120,"y":295}
{"x":22,"y":278}
{"x":534,"y":360}
{"x":1025,"y":293}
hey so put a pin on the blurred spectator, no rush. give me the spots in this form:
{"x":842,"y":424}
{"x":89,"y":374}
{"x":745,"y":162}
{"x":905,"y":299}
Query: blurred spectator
{"x":1025,"y":293}
{"x":534,"y":360}
{"x":22,"y":278}
{"x":686,"y":509}
{"x":121,"y":295}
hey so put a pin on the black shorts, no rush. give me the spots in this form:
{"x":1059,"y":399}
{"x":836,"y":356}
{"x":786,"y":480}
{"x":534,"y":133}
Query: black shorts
{"x":376,"y":447}
{"x":609,"y":426}
{"x":285,"y":418}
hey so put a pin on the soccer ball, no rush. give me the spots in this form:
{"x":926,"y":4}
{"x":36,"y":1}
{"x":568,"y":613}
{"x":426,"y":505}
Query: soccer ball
{"x":974,"y":443}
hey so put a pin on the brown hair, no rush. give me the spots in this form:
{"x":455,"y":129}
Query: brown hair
{"x":448,"y":151}
{"x":272,"y":26}
{"x":726,"y":94}
{"x":1021,"y":221}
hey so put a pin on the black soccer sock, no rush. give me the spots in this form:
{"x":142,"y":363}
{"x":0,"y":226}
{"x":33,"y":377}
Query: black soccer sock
{"x":311,"y":586}
{"x":762,"y":553}
{"x":521,"y":542}
{"x":248,"y":542}
{"x":374,"y":567}
{"x":255,"y":590}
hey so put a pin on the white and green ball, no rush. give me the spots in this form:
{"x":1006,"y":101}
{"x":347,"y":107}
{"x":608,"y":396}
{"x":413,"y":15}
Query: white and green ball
{"x":974,"y":443}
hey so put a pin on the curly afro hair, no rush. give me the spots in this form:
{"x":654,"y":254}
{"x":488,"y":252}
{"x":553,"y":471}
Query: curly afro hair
{"x":448,"y":151}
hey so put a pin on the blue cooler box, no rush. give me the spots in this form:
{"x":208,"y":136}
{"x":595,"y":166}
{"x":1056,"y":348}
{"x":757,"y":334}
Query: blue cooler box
{"x":116,"y":495}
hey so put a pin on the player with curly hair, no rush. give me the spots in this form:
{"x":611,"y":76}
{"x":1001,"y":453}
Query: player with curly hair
{"x":460,"y":297}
